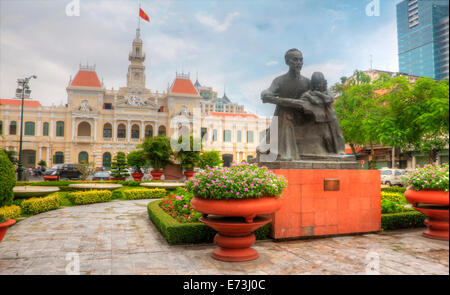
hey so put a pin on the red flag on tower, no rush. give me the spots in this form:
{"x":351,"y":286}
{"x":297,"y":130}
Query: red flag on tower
{"x":143,"y":15}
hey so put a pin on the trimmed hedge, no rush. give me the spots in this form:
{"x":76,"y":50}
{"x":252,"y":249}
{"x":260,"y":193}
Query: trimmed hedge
{"x":89,"y":197}
{"x":394,"y":189}
{"x":188,"y":233}
{"x":410,"y":219}
{"x":7,"y":180}
{"x":10,"y":212}
{"x":35,"y":206}
{"x":398,"y":198}
{"x":144,"y":193}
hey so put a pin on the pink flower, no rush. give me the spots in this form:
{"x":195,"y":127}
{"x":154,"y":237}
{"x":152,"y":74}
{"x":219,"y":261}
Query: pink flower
{"x":179,"y":197}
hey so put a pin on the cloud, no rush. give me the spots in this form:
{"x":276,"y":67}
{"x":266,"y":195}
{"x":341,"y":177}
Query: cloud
{"x":210,"y":21}
{"x":271,"y":63}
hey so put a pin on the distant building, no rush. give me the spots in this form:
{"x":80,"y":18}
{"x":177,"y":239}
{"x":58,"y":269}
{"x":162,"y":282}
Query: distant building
{"x":96,"y":122}
{"x":423,"y":44}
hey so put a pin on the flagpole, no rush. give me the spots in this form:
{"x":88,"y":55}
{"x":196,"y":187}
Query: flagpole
{"x":139,"y":17}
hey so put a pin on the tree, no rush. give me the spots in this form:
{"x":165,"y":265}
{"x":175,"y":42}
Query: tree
{"x":119,"y":165}
{"x":189,"y":157}
{"x":42,"y":163}
{"x":210,"y":159}
{"x":136,"y":160}
{"x":157,"y":151}
{"x":11,"y":156}
{"x":7,"y":180}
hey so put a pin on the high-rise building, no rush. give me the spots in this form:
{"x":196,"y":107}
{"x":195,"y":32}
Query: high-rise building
{"x":422,"y":29}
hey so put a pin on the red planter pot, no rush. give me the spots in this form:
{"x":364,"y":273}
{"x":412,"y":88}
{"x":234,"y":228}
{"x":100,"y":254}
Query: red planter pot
{"x":156,"y":174}
{"x":235,"y":221}
{"x":50,"y":178}
{"x":137,"y":176}
{"x":189,"y":174}
{"x":434,"y":205}
{"x":118,"y":178}
{"x":4,"y":227}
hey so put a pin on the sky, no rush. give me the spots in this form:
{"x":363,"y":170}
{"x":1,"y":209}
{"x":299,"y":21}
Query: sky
{"x":232,"y":45}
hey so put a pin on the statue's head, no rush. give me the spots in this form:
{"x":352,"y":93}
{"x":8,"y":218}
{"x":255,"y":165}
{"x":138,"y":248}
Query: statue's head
{"x":294,"y":59}
{"x":318,"y":82}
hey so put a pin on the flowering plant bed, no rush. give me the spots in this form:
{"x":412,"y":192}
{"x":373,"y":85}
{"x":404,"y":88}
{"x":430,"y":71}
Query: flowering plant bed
{"x":178,"y":206}
{"x":430,"y":177}
{"x":240,"y":181}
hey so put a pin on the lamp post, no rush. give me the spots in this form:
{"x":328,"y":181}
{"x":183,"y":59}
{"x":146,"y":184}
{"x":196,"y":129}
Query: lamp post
{"x":22,"y":87}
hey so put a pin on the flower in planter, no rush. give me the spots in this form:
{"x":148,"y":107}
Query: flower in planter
{"x":240,"y":181}
{"x":431,"y":176}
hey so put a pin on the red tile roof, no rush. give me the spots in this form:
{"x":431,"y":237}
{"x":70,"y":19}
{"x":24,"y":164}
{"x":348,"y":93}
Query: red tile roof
{"x":233,"y":115}
{"x":349,"y":151}
{"x":86,"y":79}
{"x":183,"y":86}
{"x":18,"y":102}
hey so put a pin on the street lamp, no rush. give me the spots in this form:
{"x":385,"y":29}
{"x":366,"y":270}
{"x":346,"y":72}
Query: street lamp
{"x":22,"y":88}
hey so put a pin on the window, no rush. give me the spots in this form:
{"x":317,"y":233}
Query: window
{"x":239,"y":136}
{"x":13,"y":128}
{"x":45,"y":129}
{"x":29,"y":128}
{"x":60,"y":128}
{"x":84,"y":129}
{"x":227,"y":135}
{"x":83,"y":158}
{"x":58,"y":158}
{"x":107,"y":106}
{"x":1,"y":127}
{"x":121,"y":132}
{"x":107,"y":161}
{"x":137,"y":50}
{"x":135,"y":131}
{"x":162,"y":130}
{"x":148,"y":131}
{"x":204,"y":133}
{"x":214,"y":135}
{"x":107,"y":130}
{"x":249,"y":136}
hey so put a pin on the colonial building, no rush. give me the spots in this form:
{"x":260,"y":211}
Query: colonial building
{"x":96,"y":122}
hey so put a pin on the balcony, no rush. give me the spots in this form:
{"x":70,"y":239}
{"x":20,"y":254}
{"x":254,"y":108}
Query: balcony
{"x":83,"y":138}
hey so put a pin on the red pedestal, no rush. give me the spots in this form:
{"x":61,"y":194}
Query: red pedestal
{"x":310,"y":210}
{"x":235,"y":237}
{"x":189,"y":174}
{"x":4,"y":227}
{"x":50,"y":178}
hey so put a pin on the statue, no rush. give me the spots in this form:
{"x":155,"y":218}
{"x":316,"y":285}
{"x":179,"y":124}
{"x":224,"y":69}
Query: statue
{"x":307,"y":123}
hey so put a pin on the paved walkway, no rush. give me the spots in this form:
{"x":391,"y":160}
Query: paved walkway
{"x":119,"y":238}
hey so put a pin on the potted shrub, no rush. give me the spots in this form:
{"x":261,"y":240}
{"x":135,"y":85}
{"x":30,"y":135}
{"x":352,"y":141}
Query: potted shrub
{"x":136,"y":160}
{"x":157,"y":151}
{"x":119,"y":167}
{"x":210,"y":159}
{"x":243,"y":192}
{"x":4,"y":224}
{"x":188,"y":156}
{"x":427,"y":191}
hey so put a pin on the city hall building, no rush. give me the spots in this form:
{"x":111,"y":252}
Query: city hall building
{"x":96,"y":122}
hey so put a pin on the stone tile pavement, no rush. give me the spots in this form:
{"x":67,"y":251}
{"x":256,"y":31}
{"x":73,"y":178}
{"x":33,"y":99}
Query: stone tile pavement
{"x":118,"y":238}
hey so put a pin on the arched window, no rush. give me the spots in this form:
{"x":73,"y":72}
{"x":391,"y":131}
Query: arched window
{"x":29,"y":128}
{"x":13,"y":128}
{"x":84,"y":129}
{"x":1,"y":127}
{"x":83,"y":158}
{"x":107,"y":130}
{"x":58,"y":158}
{"x":135,"y":131}
{"x":107,"y":161}
{"x":162,"y":130}
{"x":60,"y":128}
{"x":149,"y":131}
{"x":121,"y":131}
{"x":45,"y":129}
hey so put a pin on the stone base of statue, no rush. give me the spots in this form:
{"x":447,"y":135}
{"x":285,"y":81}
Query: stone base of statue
{"x":313,"y":162}
{"x":326,"y":198}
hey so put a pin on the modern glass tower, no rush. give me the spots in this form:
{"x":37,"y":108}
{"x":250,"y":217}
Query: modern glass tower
{"x":422,"y":28}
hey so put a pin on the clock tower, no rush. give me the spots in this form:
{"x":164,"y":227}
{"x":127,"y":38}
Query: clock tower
{"x":136,"y":69}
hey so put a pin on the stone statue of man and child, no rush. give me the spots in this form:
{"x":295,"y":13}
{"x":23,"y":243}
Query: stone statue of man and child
{"x":307,"y":124}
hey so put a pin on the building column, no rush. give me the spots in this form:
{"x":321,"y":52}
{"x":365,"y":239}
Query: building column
{"x":40,"y":154}
{"x":128,"y":130}
{"x":73,"y":128}
{"x":142,"y":129}
{"x":48,"y":155}
{"x":114,"y":130}
{"x":51,"y":131}
{"x":7,"y":127}
{"x":38,"y":129}
{"x":95,"y":129}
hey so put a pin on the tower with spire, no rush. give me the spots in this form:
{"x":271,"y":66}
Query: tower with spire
{"x":136,"y":69}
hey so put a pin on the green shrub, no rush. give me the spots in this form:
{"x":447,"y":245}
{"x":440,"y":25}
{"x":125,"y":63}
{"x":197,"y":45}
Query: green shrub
{"x":89,"y":197}
{"x":210,"y":159}
{"x":394,"y":189}
{"x":35,"y":206}
{"x":2,"y":218}
{"x":119,"y":165}
{"x":129,"y":183}
{"x":10,"y":212}
{"x":392,"y":207}
{"x":402,"y":220}
{"x":188,"y":233}
{"x":7,"y":180}
{"x":143,"y":193}
{"x":398,"y":198}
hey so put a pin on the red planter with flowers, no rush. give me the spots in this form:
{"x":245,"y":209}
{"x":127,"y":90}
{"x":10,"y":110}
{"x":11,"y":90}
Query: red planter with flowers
{"x":156,"y":175}
{"x":137,"y":176}
{"x":189,"y":174}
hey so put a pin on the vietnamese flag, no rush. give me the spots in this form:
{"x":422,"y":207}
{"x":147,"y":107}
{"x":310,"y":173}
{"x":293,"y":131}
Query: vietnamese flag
{"x":143,"y":15}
